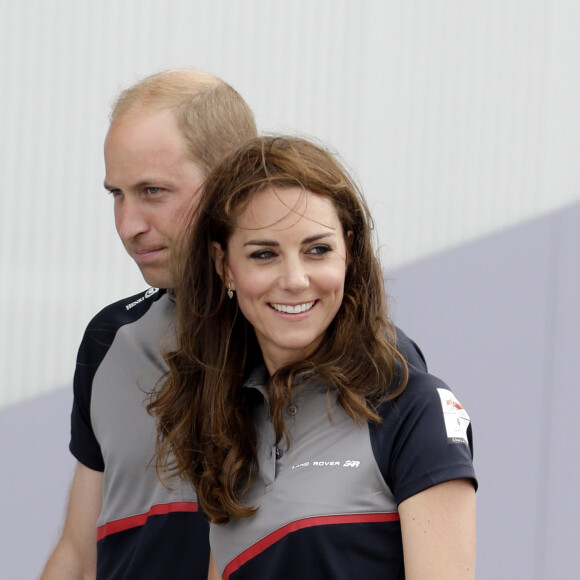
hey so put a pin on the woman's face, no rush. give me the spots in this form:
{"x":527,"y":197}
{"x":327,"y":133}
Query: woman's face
{"x":287,"y":260}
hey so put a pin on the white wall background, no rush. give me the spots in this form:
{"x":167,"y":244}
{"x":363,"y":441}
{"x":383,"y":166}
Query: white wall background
{"x":459,"y":118}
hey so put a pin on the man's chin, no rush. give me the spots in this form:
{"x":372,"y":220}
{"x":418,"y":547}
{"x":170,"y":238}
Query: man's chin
{"x":156,"y":279}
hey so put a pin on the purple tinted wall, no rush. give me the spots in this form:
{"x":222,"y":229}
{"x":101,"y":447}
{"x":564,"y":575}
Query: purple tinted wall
{"x":36,"y":475}
{"x":499,"y":320}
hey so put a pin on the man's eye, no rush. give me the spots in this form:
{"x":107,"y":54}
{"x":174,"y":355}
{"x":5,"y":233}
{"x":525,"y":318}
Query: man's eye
{"x":153,"y":190}
{"x":262,"y":255}
{"x":115,"y":192}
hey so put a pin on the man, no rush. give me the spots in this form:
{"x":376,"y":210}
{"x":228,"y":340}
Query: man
{"x":166,"y":133}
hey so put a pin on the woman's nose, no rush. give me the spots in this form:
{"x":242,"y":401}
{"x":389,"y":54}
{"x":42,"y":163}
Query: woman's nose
{"x":294,"y":276}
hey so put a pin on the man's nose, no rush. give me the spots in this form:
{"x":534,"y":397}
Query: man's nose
{"x":130,"y":218}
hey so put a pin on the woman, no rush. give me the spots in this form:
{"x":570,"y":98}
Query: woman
{"x":318,"y":444}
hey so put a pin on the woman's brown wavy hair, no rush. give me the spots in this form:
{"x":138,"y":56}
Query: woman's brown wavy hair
{"x":206,"y":432}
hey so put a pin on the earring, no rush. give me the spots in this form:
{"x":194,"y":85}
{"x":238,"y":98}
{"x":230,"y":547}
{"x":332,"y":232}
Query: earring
{"x":230,"y":291}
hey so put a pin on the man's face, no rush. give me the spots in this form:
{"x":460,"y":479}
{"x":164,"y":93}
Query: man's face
{"x":154,"y":185}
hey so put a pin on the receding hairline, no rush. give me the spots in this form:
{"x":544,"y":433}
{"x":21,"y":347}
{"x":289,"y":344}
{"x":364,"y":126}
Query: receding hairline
{"x":163,"y":90}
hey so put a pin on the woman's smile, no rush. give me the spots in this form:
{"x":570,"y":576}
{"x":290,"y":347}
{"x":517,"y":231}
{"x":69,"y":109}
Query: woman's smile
{"x":293,"y":309}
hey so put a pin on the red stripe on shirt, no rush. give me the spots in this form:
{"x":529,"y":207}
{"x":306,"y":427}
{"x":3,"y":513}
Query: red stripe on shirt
{"x":140,"y":519}
{"x":276,"y":536}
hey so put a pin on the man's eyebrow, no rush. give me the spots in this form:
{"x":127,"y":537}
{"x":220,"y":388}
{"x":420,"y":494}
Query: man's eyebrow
{"x":308,"y":240}
{"x":149,"y":182}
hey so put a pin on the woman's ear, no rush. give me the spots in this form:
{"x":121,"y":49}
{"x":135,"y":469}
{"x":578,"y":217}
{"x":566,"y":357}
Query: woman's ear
{"x":218,"y":255}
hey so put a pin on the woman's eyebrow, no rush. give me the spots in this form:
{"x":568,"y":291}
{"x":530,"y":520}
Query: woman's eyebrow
{"x":308,"y":240}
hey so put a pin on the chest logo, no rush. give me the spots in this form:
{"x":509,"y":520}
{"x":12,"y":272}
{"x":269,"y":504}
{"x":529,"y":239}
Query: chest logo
{"x":318,"y":464}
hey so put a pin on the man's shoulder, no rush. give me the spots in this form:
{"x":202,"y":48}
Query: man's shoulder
{"x":131,"y":307}
{"x":102,"y":329}
{"x":127,"y":310}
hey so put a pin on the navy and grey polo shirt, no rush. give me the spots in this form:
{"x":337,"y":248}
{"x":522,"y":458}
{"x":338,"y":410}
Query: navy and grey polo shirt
{"x":328,"y":502}
{"x":145,"y":530}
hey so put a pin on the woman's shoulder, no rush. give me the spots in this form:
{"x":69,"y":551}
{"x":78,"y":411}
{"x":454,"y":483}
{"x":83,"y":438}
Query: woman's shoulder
{"x":410,"y":350}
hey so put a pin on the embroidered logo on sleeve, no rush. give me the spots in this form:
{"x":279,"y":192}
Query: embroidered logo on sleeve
{"x":455,"y":416}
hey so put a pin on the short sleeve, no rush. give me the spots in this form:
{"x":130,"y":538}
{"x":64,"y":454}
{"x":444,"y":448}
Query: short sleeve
{"x":425,"y":437}
{"x":94,"y":346}
{"x":97,"y":341}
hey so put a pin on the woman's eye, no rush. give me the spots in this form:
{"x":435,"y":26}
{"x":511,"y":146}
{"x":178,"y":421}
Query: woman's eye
{"x":319,"y":249}
{"x":262,"y":255}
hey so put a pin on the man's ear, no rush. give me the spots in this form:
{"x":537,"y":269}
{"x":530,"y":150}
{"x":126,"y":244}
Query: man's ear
{"x":218,"y":255}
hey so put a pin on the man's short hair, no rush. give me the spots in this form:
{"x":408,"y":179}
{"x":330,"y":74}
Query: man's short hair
{"x":211,"y":115}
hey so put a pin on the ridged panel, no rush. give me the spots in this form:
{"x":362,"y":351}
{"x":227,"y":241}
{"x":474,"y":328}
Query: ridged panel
{"x":458,"y":119}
